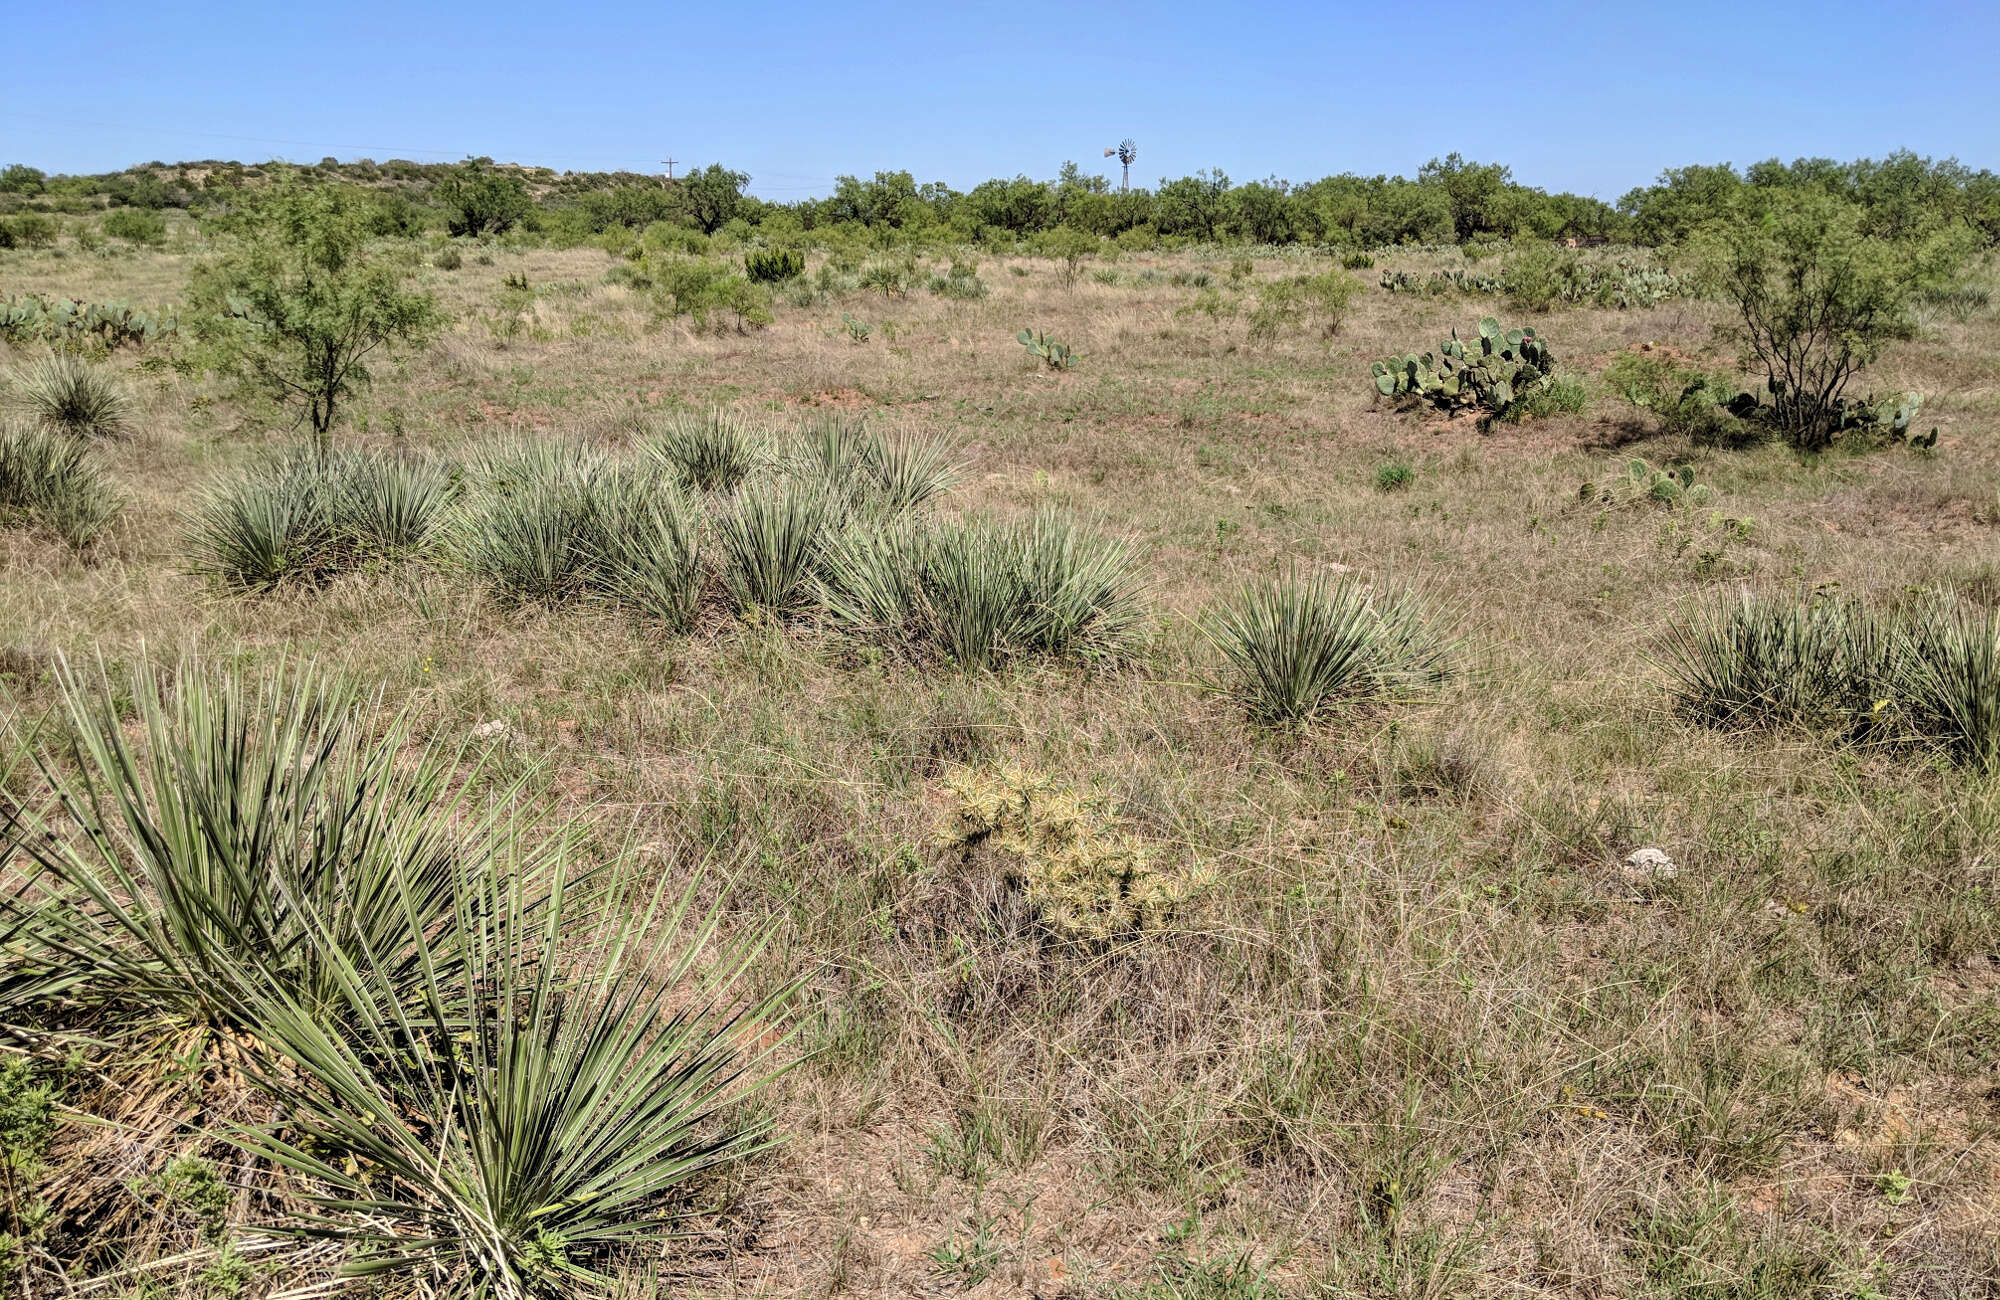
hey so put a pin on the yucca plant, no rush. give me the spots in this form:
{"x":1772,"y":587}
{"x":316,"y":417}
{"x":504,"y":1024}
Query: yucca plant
{"x":866,"y":470}
{"x":1947,"y":682}
{"x":386,"y":505}
{"x":708,"y":451}
{"x":508,"y":1125}
{"x":774,"y":540}
{"x":54,"y":481}
{"x":308,"y":515}
{"x":532,"y":545}
{"x":1785,"y":660}
{"x":66,"y":392}
{"x":975,"y":593}
{"x":1300,"y":644}
{"x":910,"y":470}
{"x":647,"y":546}
{"x":261,"y":529}
{"x":265,"y":831}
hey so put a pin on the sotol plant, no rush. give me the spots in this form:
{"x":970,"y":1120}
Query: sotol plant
{"x":51,"y":480}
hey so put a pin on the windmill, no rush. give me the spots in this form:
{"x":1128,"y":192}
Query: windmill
{"x":1128,"y":153}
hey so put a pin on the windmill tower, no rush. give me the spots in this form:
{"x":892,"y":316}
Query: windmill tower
{"x":1128,"y":153}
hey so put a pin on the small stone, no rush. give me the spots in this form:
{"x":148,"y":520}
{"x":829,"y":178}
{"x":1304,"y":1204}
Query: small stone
{"x":1651,"y":864}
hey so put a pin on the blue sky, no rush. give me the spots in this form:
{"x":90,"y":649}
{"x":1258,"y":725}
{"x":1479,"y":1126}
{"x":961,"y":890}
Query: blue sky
{"x":1591,"y":98}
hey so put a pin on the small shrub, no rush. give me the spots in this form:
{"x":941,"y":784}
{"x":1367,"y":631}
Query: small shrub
{"x":28,"y":230}
{"x":1087,"y":878}
{"x":709,"y":294}
{"x":136,"y":226}
{"x":448,"y":260}
{"x":961,"y":282}
{"x":1687,"y":401}
{"x":1299,"y":645}
{"x":70,"y":394}
{"x":1562,"y":395}
{"x":1315,"y":300}
{"x":1358,"y":260}
{"x":1394,"y":476}
{"x":774,"y":265}
{"x":707,"y":451}
{"x":51,"y":480}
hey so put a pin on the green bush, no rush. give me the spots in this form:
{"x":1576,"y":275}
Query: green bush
{"x":51,"y":480}
{"x":774,"y":265}
{"x":1317,"y":301}
{"x":1815,"y":662}
{"x":1358,"y":260}
{"x":28,"y":230}
{"x":448,"y":260}
{"x":135,"y":226}
{"x":75,"y":396}
{"x":1687,"y":400}
{"x":1297,"y":646}
{"x":709,"y":294}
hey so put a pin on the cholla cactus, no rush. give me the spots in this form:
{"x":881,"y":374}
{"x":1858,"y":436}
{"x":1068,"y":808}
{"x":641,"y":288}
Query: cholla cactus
{"x":1087,"y":878}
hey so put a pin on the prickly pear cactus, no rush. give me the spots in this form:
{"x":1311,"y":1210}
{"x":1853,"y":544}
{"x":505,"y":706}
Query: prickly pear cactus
{"x":1490,"y":372}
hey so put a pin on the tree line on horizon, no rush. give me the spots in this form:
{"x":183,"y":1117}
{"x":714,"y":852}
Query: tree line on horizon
{"x":1450,"y":200}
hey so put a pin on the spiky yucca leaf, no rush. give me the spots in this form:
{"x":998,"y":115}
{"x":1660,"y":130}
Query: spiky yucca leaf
{"x":1948,"y":681}
{"x":69,"y":394}
{"x":255,"y":820}
{"x":1300,"y":644}
{"x":503,"y":1127}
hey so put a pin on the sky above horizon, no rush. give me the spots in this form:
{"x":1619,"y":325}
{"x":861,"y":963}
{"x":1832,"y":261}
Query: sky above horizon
{"x":1593,"y":99}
